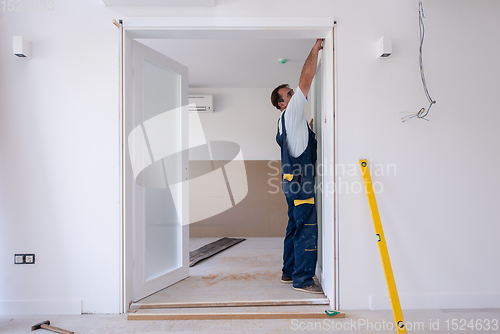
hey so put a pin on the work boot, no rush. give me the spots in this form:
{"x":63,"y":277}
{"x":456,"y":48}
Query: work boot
{"x":315,"y":288}
{"x":286,"y":280}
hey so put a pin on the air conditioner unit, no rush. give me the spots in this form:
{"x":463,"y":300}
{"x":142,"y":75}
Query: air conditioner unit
{"x":201,"y":103}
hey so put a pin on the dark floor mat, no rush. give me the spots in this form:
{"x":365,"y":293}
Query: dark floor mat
{"x":211,"y":249}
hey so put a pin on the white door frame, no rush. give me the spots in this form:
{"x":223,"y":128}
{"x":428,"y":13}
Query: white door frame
{"x":240,"y":28}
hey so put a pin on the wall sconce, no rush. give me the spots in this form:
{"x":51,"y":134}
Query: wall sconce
{"x":22,"y":47}
{"x":384,"y":47}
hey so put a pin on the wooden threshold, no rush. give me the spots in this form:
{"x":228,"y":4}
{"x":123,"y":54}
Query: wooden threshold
{"x":242,"y":303}
{"x":232,"y":316}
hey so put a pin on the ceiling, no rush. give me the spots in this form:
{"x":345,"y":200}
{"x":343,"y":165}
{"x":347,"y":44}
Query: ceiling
{"x":165,"y":3}
{"x":236,"y":63}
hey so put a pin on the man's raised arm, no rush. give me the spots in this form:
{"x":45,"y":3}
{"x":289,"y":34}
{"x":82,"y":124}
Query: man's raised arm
{"x":309,"y":69}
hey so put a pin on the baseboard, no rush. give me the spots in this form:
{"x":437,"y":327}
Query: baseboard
{"x":35,"y":307}
{"x":438,"y":301}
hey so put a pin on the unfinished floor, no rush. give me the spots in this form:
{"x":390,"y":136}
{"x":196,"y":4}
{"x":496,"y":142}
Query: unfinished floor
{"x":250,"y":270}
{"x":227,"y":276}
{"x":428,"y":321}
{"x":246,"y":273}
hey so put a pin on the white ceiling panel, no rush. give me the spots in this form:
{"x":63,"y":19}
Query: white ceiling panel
{"x":161,"y":3}
{"x":237,"y":63}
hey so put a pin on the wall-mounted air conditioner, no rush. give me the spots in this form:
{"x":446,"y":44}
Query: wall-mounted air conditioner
{"x":201,"y":103}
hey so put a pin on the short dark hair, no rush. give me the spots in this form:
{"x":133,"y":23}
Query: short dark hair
{"x":276,"y":97}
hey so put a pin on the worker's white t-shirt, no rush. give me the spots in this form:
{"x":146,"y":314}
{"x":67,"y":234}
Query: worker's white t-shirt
{"x":297,"y":130}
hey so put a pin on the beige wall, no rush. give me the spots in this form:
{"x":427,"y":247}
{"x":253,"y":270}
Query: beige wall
{"x":263,"y":212}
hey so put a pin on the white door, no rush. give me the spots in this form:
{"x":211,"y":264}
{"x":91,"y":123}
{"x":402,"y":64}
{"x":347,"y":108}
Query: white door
{"x":156,"y":168}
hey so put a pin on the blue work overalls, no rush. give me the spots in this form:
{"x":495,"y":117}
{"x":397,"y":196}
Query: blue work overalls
{"x":300,"y":246}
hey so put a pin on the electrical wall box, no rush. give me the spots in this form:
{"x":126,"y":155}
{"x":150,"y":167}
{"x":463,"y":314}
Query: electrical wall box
{"x":24,"y":258}
{"x":384,"y":47}
{"x":22,"y":47}
{"x":201,"y":103}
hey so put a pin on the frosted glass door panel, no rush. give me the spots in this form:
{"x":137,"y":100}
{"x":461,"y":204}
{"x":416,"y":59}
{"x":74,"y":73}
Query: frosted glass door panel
{"x":161,"y":115}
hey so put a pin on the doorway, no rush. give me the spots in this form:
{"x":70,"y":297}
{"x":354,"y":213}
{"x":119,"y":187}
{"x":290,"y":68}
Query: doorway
{"x":250,"y":29}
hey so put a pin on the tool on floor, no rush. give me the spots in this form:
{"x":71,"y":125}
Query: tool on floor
{"x":382,"y":247}
{"x":46,"y":325}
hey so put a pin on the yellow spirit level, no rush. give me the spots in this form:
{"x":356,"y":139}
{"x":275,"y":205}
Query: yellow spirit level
{"x":382,"y":247}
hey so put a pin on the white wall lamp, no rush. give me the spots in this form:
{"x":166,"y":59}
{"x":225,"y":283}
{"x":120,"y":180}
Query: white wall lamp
{"x":22,"y":47}
{"x":384,"y":47}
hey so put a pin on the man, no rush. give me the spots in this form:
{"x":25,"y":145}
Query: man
{"x":298,"y":159}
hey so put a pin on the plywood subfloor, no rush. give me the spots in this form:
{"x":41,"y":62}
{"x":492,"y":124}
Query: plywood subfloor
{"x":249,"y":271}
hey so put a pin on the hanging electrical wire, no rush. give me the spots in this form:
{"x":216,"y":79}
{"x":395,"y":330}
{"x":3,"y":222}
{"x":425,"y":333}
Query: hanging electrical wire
{"x":422,"y":113}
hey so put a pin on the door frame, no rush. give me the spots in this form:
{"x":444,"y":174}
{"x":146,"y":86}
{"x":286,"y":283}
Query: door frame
{"x":227,"y":28}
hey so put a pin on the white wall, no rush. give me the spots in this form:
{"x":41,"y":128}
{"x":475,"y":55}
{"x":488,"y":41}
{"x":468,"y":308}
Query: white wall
{"x":438,"y":211}
{"x":59,"y":195}
{"x":244,"y":116}
{"x":59,"y":186}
